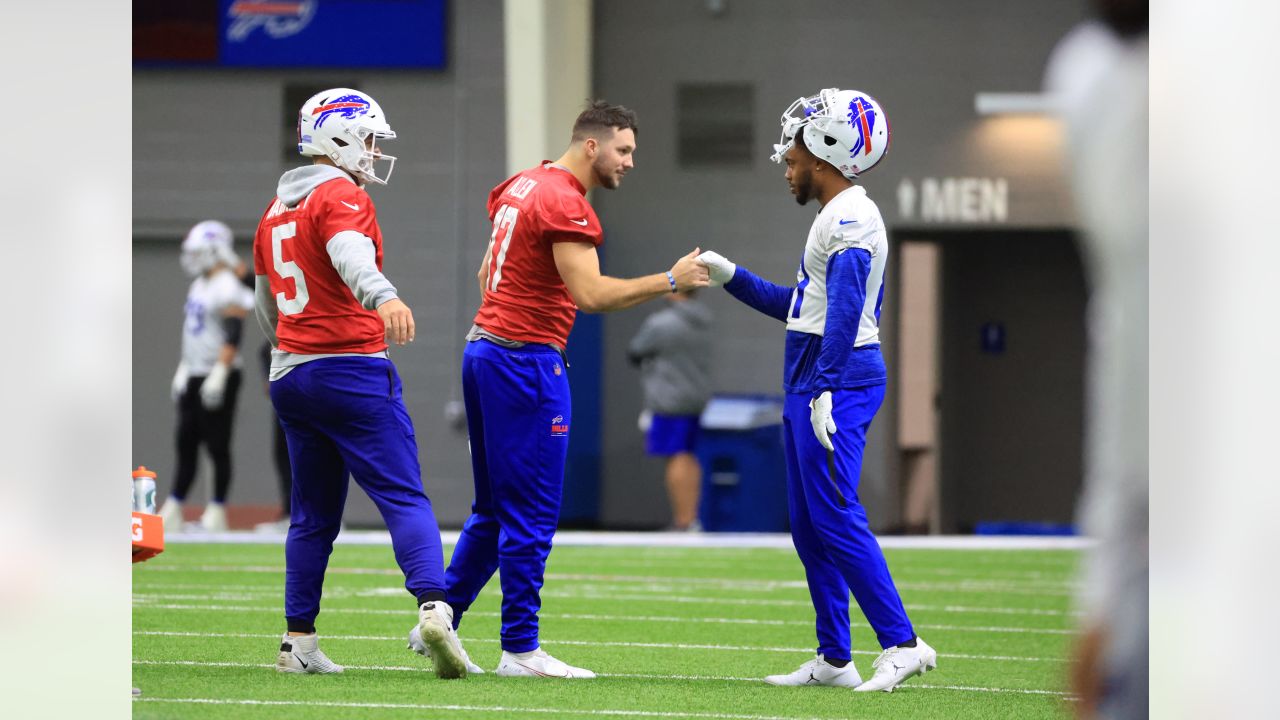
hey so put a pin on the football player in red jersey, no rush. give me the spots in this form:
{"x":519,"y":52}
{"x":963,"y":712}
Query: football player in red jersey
{"x":328,"y":310}
{"x":540,"y":269}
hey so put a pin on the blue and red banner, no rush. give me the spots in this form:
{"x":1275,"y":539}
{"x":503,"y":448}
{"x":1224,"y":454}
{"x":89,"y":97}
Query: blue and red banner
{"x":292,"y":33}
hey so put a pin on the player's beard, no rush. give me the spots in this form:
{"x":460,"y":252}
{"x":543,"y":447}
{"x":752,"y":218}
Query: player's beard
{"x":607,"y":178}
{"x":803,"y":188}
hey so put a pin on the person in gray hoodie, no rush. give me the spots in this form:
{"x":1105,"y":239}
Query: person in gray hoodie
{"x":673,"y":350}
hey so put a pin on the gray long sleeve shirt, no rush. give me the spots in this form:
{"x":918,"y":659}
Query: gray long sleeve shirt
{"x":673,"y":350}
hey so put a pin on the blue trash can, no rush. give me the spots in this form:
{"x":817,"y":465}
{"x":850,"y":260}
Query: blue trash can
{"x":744,"y":482}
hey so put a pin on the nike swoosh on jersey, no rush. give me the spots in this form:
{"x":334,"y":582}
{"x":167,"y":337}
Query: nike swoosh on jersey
{"x":582,"y":222}
{"x":353,"y":207}
{"x":846,"y":222}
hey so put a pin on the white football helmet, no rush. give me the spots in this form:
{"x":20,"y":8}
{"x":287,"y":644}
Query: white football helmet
{"x":206,"y":245}
{"x":337,"y":123}
{"x":847,"y":128}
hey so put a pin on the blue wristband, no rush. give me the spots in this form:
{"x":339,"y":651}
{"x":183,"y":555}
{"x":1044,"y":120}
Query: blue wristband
{"x":671,"y":279}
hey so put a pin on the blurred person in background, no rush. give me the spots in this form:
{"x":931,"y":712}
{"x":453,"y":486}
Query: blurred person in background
{"x":834,"y":378}
{"x":207,"y":382}
{"x":329,"y":313}
{"x":1098,"y":77}
{"x":540,"y":268}
{"x":673,"y":351}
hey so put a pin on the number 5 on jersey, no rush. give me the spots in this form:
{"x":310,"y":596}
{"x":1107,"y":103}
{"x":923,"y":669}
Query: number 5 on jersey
{"x":288,"y":269}
{"x":504,"y":219}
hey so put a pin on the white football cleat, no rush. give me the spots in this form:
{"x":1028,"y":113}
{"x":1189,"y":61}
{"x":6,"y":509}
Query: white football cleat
{"x":538,"y":664}
{"x":214,"y":518}
{"x":273,"y":526}
{"x":898,"y":664}
{"x":417,"y":645}
{"x":171,"y":515}
{"x":818,"y":672}
{"x":435,"y":629}
{"x":302,"y":654}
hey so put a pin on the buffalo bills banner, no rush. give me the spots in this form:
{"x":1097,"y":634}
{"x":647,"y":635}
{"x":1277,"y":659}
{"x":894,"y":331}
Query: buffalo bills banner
{"x":291,"y":33}
{"x":345,"y":33}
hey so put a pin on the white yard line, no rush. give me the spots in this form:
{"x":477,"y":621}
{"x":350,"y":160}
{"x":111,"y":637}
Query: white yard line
{"x":591,"y":643}
{"x":258,"y":592}
{"x":629,"y":676}
{"x":668,"y":619}
{"x":463,"y":708}
{"x":979,"y":586}
{"x":781,"y":541}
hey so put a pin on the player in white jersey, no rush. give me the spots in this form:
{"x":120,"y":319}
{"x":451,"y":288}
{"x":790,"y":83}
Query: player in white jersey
{"x":834,"y":379}
{"x":207,"y":381}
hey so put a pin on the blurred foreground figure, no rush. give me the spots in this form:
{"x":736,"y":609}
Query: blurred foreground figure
{"x":834,"y":378}
{"x":329,"y":312}
{"x":1098,"y":75}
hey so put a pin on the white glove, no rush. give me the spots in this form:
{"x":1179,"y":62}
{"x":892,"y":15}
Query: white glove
{"x":718,"y":267}
{"x":179,"y":385}
{"x":214,"y":387}
{"x":820,"y":417}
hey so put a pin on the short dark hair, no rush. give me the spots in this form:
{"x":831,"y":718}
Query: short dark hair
{"x":601,"y":116}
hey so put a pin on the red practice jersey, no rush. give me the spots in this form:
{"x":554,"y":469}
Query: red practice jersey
{"x":318,"y":313}
{"x":525,"y":299}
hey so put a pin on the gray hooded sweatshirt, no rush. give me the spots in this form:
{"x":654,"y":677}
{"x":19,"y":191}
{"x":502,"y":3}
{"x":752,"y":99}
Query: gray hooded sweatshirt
{"x":352,"y":254}
{"x":673,"y":350}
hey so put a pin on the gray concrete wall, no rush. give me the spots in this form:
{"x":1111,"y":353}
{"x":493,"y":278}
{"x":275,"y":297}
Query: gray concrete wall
{"x":207,"y":145}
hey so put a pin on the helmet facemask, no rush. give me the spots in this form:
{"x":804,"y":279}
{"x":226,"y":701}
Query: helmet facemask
{"x":794,"y":118}
{"x":196,"y":261}
{"x":363,"y":165}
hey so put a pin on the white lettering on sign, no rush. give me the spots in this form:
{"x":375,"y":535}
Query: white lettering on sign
{"x":955,"y":200}
{"x":906,"y":199}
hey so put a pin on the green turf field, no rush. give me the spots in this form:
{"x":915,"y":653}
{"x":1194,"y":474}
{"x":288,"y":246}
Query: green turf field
{"x":674,"y":632}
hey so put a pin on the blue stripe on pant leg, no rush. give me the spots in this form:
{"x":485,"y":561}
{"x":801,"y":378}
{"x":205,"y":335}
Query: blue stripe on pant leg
{"x":475,"y":557}
{"x":318,"y":495}
{"x":375,"y":435}
{"x":838,"y":516}
{"x":827,"y":588}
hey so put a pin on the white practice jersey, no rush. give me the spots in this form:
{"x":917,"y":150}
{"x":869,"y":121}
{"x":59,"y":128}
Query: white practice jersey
{"x":202,"y":333}
{"x":850,"y":220}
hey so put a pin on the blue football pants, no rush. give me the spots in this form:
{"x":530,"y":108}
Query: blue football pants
{"x":829,"y":525}
{"x":518,"y":415}
{"x":346,"y":415}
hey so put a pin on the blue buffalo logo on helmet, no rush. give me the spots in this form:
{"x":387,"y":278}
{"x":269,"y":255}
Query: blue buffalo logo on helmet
{"x":347,"y":106}
{"x":862,"y":116}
